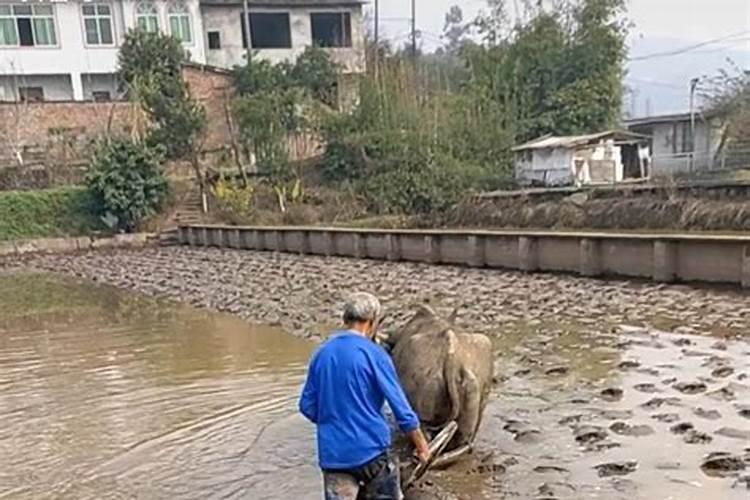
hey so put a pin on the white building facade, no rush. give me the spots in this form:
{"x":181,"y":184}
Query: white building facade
{"x":674,"y":150}
{"x":67,"y":50}
{"x":280,"y":30}
{"x":59,"y":50}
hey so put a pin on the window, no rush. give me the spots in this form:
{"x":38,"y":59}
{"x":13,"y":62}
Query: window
{"x":268,"y":31}
{"x":97,"y":23}
{"x":179,"y":22}
{"x":214,"y":40}
{"x":27,"y":25}
{"x":31,"y":94}
{"x":147,"y":16}
{"x":101,"y":96}
{"x":331,"y":29}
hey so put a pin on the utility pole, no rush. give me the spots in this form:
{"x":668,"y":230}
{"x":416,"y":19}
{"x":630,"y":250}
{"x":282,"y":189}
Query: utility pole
{"x":693,"y":85}
{"x":414,"y":29}
{"x":246,"y":25}
{"x":377,"y":24}
{"x":376,"y":53}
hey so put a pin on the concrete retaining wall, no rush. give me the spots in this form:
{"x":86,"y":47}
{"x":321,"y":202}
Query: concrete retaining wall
{"x":67,"y":245}
{"x":662,"y":257}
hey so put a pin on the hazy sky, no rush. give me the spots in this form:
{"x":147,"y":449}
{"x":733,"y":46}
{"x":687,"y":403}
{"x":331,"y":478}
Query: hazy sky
{"x":659,"y":26}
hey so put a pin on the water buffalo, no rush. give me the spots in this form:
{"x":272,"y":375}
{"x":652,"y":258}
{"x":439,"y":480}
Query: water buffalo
{"x":447,"y":375}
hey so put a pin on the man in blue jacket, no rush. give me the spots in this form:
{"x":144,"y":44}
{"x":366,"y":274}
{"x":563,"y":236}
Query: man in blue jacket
{"x":349,"y":380}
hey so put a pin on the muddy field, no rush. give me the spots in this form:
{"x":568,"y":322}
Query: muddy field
{"x":605,"y":389}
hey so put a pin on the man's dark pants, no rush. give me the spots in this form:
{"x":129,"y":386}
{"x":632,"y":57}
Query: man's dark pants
{"x":378,"y":480}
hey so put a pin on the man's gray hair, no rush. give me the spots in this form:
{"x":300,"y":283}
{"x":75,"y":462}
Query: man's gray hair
{"x":361,"y":306}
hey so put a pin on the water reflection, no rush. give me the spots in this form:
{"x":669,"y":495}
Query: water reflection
{"x":111,"y":394}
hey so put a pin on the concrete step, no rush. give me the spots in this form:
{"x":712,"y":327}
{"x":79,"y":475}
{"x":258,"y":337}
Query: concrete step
{"x":169,"y":238}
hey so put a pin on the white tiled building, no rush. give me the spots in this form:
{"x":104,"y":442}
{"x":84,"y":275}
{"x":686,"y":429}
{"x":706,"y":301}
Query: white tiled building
{"x":67,"y":49}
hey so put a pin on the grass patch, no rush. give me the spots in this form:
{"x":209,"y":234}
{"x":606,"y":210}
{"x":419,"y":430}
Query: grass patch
{"x":59,"y":212}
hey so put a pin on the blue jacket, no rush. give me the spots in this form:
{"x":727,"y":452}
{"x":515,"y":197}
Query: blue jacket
{"x":349,"y":380}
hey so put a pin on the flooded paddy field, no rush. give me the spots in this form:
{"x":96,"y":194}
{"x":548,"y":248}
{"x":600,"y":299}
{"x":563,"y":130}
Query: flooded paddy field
{"x":605,"y":390}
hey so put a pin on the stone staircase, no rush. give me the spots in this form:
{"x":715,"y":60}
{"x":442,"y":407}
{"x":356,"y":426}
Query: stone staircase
{"x":188,"y":211}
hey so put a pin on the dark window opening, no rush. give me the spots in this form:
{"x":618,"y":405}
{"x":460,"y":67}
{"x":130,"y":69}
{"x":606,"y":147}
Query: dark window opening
{"x":25,"y":32}
{"x":267,"y":31}
{"x":331,"y":29}
{"x":101,"y":95}
{"x":687,"y":139}
{"x":31,"y":94}
{"x":214,"y":40}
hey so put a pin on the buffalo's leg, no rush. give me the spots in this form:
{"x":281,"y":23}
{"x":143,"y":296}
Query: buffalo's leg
{"x":471,"y":407}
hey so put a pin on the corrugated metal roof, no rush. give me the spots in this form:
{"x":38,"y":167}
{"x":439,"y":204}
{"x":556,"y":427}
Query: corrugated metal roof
{"x":284,"y":3}
{"x":670,"y":118}
{"x":571,"y":141}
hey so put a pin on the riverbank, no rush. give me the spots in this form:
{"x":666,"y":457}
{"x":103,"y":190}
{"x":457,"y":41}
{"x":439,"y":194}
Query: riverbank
{"x":20,"y":247}
{"x":48,"y":213}
{"x":606,"y":390}
{"x":718,"y":206}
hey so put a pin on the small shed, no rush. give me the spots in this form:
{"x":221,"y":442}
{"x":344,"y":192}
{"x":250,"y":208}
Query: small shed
{"x":603,"y":158}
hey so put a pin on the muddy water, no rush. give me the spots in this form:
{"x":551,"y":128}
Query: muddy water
{"x":645,"y":407}
{"x":105,"y":394}
{"x":109,"y":394}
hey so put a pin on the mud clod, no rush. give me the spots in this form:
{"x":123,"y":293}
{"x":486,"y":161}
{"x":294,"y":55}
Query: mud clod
{"x":646,"y":388}
{"x":682,"y":428}
{"x":655,"y":403}
{"x":557,"y":371}
{"x":616,"y":468}
{"x":707,"y":414}
{"x":667,"y":418}
{"x":546,"y":469}
{"x":612,"y":394}
{"x":628,"y":365}
{"x":722,"y":372}
{"x":625,"y":429}
{"x":697,"y":437}
{"x":690,"y":388}
{"x":589,"y":434}
{"x":722,"y":464}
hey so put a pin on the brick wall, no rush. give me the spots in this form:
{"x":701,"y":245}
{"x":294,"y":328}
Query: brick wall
{"x":58,"y":135}
{"x":46,"y":144}
{"x":213,"y":89}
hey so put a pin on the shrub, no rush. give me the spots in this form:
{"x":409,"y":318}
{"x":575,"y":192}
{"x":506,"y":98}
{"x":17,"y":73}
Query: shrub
{"x":69,"y":211}
{"x":127,"y":182}
{"x":316,"y":72}
{"x":234,"y":200}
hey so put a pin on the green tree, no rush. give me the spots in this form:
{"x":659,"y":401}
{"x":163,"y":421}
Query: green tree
{"x":150,"y":55}
{"x":127,"y":182}
{"x":727,"y":97}
{"x":259,"y":76}
{"x":559,"y":73}
{"x":317,"y":73}
{"x":150,"y":65}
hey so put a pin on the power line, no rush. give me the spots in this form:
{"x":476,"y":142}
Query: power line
{"x":657,"y":83}
{"x":689,"y":48}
